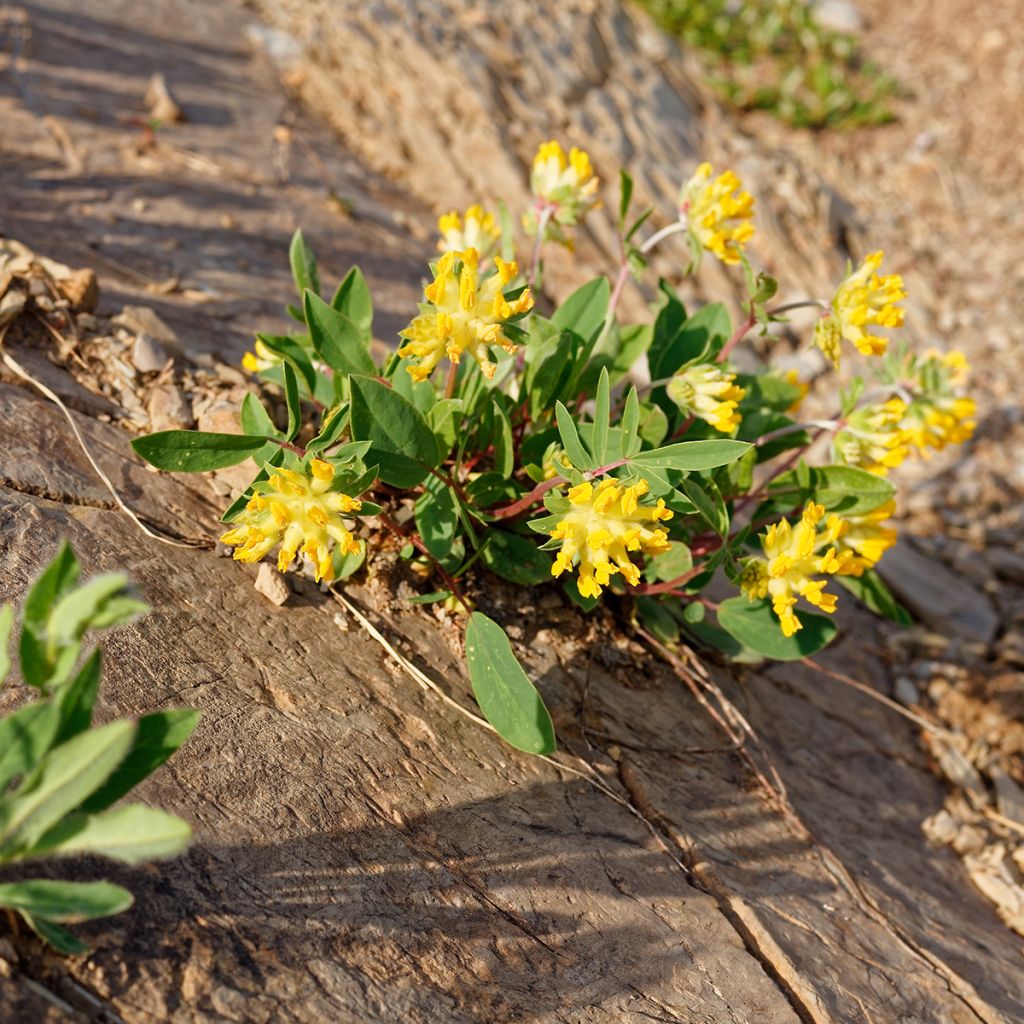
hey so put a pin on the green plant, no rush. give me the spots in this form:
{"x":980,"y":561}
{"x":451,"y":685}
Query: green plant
{"x":774,"y":55}
{"x":60,"y":776}
{"x":533,"y":455}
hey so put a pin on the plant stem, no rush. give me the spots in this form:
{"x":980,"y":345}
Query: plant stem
{"x":801,"y":304}
{"x":671,"y":229}
{"x":523,"y":503}
{"x":417,"y":542}
{"x":669,"y":585}
{"x":449,"y":384}
{"x":289,"y":446}
{"x":738,"y":335}
{"x":543,"y":217}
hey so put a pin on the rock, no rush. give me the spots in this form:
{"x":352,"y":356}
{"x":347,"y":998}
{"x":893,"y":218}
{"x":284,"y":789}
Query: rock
{"x":143,"y":320}
{"x":168,"y":409}
{"x":160,"y":103}
{"x":148,"y":355}
{"x":1009,"y":796}
{"x":906,"y":691}
{"x":1006,"y":564}
{"x":271,"y":584}
{"x":80,"y":289}
{"x":838,"y":16}
{"x":940,"y":597}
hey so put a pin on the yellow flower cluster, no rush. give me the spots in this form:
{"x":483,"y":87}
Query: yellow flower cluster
{"x":874,"y":437}
{"x":938,"y":417}
{"x":718,"y":213}
{"x":565,"y":188}
{"x":709,"y":393}
{"x":475,"y":230}
{"x":862,"y":540}
{"x":863,"y":301}
{"x":463,"y":314}
{"x":603,"y":525}
{"x":301,"y":513}
{"x":792,"y":556}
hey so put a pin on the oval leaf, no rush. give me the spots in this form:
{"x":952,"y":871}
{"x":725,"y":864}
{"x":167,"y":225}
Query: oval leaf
{"x":193,"y":451}
{"x":693,"y":455}
{"x":754,"y":624}
{"x":337,"y":340}
{"x":508,"y":699}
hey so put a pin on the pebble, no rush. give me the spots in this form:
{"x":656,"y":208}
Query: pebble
{"x":1006,"y":564}
{"x":271,"y":585}
{"x":168,"y":409}
{"x":148,"y":355}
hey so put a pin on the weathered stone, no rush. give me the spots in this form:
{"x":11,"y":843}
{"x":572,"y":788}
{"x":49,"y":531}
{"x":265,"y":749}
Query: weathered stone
{"x":148,"y":355}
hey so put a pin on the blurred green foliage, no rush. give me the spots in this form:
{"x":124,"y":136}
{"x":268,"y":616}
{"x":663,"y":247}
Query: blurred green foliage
{"x":773,"y":55}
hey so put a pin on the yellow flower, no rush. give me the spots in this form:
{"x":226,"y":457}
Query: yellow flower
{"x":262,"y":358}
{"x":864,"y":300}
{"x":300,"y":513}
{"x":718,"y":213}
{"x":938,"y":416}
{"x":793,"y":377}
{"x":463,"y":314}
{"x":477,"y":230}
{"x":792,"y":557}
{"x":709,"y":393}
{"x":603,"y":525}
{"x":556,"y":463}
{"x":874,"y":437}
{"x":862,"y":540}
{"x":565,"y":189}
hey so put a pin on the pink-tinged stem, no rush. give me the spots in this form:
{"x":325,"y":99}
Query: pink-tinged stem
{"x":291,"y":447}
{"x":669,"y":585}
{"x":738,"y":335}
{"x":508,"y":511}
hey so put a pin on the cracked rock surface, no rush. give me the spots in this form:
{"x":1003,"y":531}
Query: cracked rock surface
{"x":363,"y":852}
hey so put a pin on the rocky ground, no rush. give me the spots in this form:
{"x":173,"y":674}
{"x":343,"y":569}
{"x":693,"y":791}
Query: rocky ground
{"x":354,"y":861}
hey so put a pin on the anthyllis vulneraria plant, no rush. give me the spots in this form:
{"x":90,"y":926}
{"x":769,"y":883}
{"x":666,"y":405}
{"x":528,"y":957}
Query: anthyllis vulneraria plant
{"x":60,"y":776}
{"x":538,"y":459}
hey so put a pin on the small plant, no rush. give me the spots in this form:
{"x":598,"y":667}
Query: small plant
{"x":774,"y":55}
{"x":60,"y":776}
{"x":498,"y":437}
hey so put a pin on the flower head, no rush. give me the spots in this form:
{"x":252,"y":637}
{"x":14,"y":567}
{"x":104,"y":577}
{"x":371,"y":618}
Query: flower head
{"x":719,"y":214}
{"x":463,"y":314}
{"x":937,"y":416}
{"x":793,"y":554}
{"x":602,"y":526}
{"x":300,"y":512}
{"x":261,"y":358}
{"x":874,"y":437}
{"x":803,"y":387}
{"x":565,"y":189}
{"x":709,"y":393}
{"x":476,"y":230}
{"x":863,"y":301}
{"x":862,"y":540}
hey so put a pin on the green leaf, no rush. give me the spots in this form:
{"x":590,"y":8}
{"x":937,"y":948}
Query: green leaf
{"x":61,"y":781}
{"x":131,"y":834}
{"x":275,"y":458}
{"x":332,"y":426}
{"x":303,"y":264}
{"x":516,"y":558}
{"x":255,"y":419}
{"x":290,"y":351}
{"x":602,"y":414}
{"x":871,"y":590}
{"x":60,"y":938}
{"x":354,"y":300}
{"x":404,"y":447}
{"x":6,"y":624}
{"x":692,"y":455}
{"x":157,"y":736}
{"x":669,"y":565}
{"x":25,"y":736}
{"x":709,"y":504}
{"x":67,"y":902}
{"x":630,"y":424}
{"x":654,"y":617}
{"x":755,"y":625}
{"x":578,"y":455}
{"x":585,"y":310}
{"x":75,"y":699}
{"x":437,"y":521}
{"x":841,"y":489}
{"x":509,"y":701}
{"x":336,"y":339}
{"x":625,"y":196}
{"x":679,"y":343}
{"x":57,"y":579}
{"x":193,"y":451}
{"x":106,"y":600}
{"x":291,"y":395}
{"x":504,"y":445}
{"x":349,"y":563}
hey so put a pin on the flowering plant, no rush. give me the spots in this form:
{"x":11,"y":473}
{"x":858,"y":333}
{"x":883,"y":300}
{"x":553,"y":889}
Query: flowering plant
{"x":630,"y":461}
